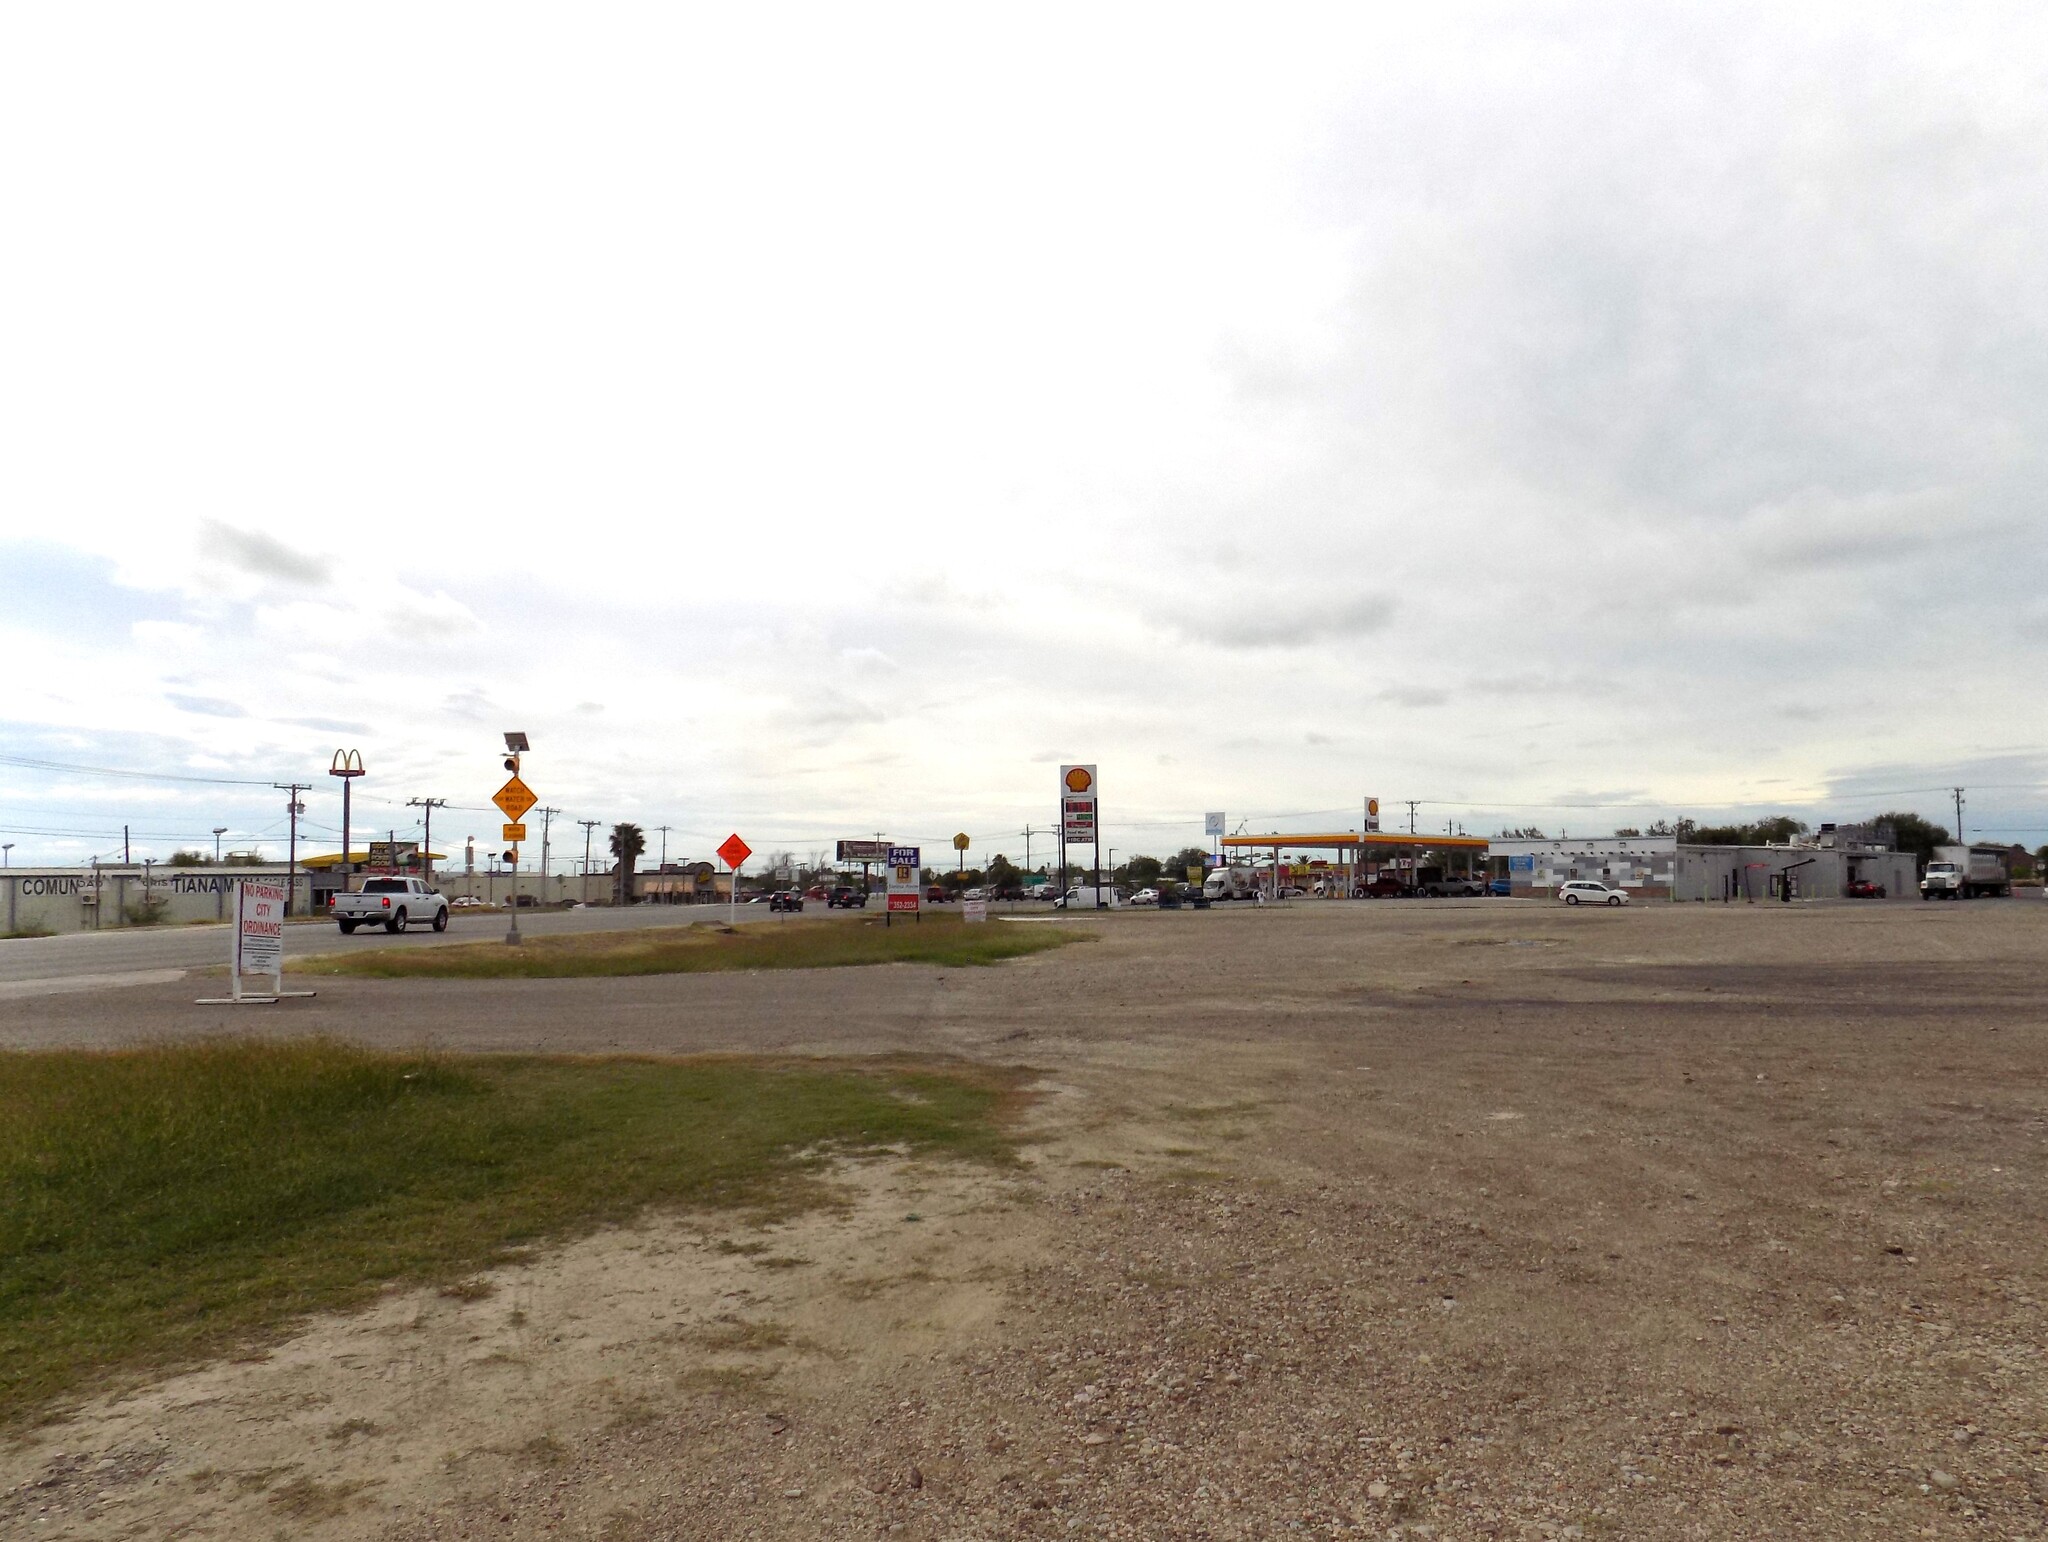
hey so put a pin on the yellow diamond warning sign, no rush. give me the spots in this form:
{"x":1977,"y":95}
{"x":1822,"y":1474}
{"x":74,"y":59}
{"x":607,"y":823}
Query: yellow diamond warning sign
{"x":515,"y":798}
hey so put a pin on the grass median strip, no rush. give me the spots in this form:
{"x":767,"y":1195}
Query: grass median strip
{"x":701,"y":949}
{"x":163,"y":1204}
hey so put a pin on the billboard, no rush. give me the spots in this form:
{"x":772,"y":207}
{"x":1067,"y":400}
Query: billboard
{"x":863,"y":851}
{"x":390,"y":856}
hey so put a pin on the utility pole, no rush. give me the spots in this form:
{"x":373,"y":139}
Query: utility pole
{"x":664,"y":848}
{"x":547,"y":816}
{"x":427,"y":841}
{"x":588,"y":826}
{"x":1960,"y":841}
{"x":1027,"y":849}
{"x":293,"y":807}
{"x":1413,"y":804}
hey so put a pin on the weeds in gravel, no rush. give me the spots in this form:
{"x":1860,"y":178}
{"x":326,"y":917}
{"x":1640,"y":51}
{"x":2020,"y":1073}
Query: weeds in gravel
{"x":166,"y":1203}
{"x":942,"y":940}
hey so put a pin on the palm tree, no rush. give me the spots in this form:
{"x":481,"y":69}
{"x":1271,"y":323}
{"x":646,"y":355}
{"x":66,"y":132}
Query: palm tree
{"x":628,"y":842}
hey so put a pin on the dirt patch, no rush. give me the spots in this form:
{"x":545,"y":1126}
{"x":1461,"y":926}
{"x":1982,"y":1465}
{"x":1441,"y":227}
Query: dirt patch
{"x":1472,"y":1221}
{"x":438,"y":1399}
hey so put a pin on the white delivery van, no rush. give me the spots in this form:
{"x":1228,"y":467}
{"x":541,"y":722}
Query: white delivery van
{"x":1231,"y":883}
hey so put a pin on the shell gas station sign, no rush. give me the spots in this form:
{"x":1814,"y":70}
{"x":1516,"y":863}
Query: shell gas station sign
{"x":1078,"y":791}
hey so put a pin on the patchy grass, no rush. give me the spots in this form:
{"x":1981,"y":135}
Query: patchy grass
{"x":163,"y":1204}
{"x":942,"y":940}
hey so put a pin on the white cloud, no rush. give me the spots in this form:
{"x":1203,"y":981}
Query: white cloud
{"x":857,"y":408}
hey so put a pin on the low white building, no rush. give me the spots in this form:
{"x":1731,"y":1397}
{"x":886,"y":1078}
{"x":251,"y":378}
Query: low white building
{"x":1658,"y":867}
{"x":1641,"y":864}
{"x":36,"y":901}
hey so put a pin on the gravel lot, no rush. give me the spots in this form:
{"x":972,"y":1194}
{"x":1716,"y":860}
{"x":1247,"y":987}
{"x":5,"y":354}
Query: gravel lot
{"x":1452,"y":1220}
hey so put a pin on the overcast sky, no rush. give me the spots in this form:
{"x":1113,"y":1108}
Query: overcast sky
{"x":818,"y":421}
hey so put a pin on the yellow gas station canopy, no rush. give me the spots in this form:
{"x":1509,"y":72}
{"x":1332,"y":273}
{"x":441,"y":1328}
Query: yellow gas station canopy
{"x":1344,"y":839}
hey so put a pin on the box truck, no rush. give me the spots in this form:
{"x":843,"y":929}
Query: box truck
{"x":1964,"y":872}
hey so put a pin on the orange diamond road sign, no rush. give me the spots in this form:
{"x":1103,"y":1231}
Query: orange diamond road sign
{"x":734,"y":852}
{"x":515,"y":798}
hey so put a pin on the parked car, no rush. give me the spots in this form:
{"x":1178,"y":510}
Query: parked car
{"x":815,"y":892}
{"x":1500,"y":887}
{"x":465,"y":902}
{"x":1383,"y":887}
{"x":1454,"y":888}
{"x":785,"y":899}
{"x":1588,"y":891}
{"x":1863,"y":888}
{"x":934,"y":895}
{"x":1145,"y":897}
{"x":392,"y":903}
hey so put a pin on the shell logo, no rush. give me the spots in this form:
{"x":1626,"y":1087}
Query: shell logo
{"x":1078,"y":779}
{"x":1372,"y":805}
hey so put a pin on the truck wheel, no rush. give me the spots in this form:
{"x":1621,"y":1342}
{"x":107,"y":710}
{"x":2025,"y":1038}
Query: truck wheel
{"x":441,"y":919}
{"x":397,"y":923}
{"x":347,"y":926}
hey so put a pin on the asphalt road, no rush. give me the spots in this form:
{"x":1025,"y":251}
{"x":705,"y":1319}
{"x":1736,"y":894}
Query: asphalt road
{"x":41,"y":966}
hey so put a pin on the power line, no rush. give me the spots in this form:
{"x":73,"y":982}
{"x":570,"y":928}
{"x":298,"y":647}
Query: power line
{"x":29,"y":763}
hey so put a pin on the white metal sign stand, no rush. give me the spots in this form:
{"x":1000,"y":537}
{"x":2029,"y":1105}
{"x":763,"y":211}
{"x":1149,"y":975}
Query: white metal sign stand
{"x":256,"y":946}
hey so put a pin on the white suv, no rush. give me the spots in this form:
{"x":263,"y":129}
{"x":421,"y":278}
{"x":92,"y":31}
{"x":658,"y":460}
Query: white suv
{"x":1584,"y":891}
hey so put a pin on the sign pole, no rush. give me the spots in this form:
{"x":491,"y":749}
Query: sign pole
{"x":733,"y":852}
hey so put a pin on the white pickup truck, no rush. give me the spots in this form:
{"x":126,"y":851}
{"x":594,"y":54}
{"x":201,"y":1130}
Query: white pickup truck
{"x":393,"y":903}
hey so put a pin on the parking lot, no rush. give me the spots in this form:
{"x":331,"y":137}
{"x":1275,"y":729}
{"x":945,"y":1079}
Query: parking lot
{"x":1463,"y":1219}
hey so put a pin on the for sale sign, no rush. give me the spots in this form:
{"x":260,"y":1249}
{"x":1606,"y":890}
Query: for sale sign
{"x":906,"y":888}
